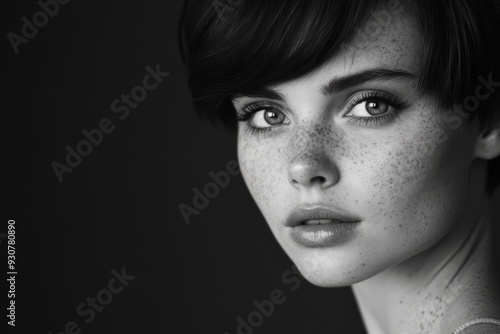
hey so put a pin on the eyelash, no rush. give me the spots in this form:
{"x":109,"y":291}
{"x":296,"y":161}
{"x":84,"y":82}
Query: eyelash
{"x":381,"y":96}
{"x":247,"y":111}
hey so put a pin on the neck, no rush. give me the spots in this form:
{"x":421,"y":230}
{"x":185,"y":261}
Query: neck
{"x":437,"y":290}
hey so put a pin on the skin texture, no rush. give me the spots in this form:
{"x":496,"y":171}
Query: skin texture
{"x":412,"y":181}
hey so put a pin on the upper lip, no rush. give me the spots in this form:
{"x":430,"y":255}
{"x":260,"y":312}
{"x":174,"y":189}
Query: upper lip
{"x":304,"y":213}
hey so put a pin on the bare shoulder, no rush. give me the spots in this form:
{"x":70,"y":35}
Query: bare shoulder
{"x":479,"y":326}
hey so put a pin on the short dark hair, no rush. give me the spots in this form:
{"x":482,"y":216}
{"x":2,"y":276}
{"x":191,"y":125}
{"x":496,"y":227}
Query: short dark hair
{"x":234,"y":46}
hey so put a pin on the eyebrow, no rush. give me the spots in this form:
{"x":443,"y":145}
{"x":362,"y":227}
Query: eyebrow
{"x":336,"y":85}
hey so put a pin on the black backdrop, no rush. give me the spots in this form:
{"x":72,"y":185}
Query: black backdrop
{"x":119,"y":207}
{"x":118,"y":210}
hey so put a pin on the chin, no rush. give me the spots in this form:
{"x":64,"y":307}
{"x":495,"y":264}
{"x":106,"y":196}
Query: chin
{"x":328,"y":274}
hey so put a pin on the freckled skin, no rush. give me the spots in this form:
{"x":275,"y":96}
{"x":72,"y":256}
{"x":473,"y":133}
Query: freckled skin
{"x":396,"y":172}
{"x":406,"y":184}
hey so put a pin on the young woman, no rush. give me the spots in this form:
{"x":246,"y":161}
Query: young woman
{"x":369,"y":136}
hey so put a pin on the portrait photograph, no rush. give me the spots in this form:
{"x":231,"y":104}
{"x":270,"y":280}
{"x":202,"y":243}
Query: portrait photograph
{"x":252,"y":167}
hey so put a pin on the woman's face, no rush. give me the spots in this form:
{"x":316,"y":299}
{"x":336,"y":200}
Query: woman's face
{"x":370,"y":147}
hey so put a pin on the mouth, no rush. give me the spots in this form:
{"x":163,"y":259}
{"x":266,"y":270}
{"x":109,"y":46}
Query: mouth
{"x":318,"y":215}
{"x":320,"y":222}
{"x":319,"y":226}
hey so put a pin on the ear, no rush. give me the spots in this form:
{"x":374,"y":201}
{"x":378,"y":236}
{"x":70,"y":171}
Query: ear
{"x":488,"y":139}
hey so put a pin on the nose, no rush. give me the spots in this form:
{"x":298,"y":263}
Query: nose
{"x":311,"y":169}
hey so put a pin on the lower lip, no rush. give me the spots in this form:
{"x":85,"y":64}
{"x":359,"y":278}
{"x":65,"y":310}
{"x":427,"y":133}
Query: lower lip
{"x":322,"y":235}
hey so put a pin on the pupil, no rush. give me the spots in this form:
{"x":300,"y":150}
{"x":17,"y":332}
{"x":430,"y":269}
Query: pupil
{"x":376,"y":107}
{"x":272,"y":117}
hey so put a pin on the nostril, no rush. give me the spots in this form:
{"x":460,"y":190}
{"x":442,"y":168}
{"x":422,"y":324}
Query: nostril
{"x":318,"y":179}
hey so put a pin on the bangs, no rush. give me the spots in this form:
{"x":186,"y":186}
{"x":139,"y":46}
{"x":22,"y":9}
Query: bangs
{"x":260,"y":43}
{"x":238,"y":46}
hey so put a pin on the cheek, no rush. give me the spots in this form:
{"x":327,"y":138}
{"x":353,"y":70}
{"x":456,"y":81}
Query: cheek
{"x":406,"y":181}
{"x":261,"y":169}
{"x":412,"y":182}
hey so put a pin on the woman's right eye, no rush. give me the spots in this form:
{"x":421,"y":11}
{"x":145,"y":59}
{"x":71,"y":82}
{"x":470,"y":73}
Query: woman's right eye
{"x":266,"y":118}
{"x":262,"y":117}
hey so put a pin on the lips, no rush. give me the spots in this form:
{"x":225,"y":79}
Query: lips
{"x":318,"y":221}
{"x":319,"y":226}
{"x":314,"y":215}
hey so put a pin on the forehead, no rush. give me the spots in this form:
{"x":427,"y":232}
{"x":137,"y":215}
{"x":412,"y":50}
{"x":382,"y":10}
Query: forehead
{"x":388,"y":39}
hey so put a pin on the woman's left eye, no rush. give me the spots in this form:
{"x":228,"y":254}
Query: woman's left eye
{"x":370,"y":108}
{"x":373,"y":108}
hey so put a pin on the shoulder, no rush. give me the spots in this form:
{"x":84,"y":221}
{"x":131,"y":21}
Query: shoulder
{"x":479,"y":326}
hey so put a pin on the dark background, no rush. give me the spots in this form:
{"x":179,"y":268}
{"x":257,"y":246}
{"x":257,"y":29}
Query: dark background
{"x":119,"y":207}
